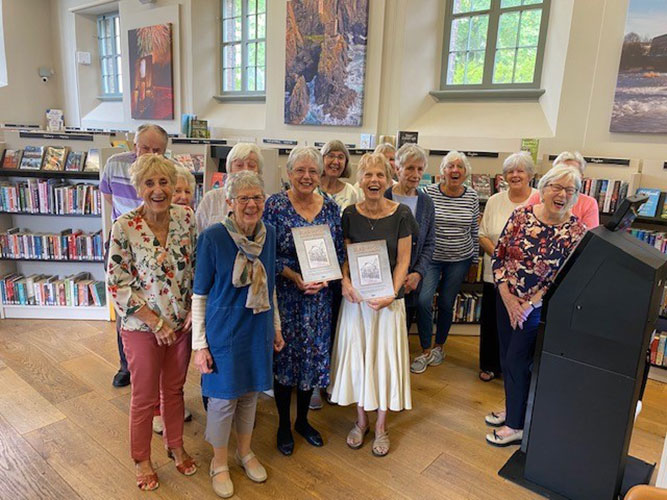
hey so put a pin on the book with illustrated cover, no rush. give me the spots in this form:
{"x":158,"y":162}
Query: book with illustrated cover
{"x":217,"y":180}
{"x":406,"y":137}
{"x":198,"y":161}
{"x":32,"y":158}
{"x":55,"y":158}
{"x":92,"y":161}
{"x":650,"y":208}
{"x":482,"y":184}
{"x":12,"y":158}
{"x":121,"y":143}
{"x":75,"y":161}
{"x":199,"y":129}
{"x":185,"y":159}
{"x":54,"y":120}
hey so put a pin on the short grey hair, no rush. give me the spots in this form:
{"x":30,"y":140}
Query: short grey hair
{"x":569,"y":156}
{"x":147,"y":164}
{"x":371,"y":160}
{"x":242,"y":180}
{"x":155,"y":128}
{"x":409,"y":152}
{"x":451,"y":157}
{"x":561,"y":171}
{"x":241,"y":151}
{"x":384,"y":148}
{"x":520,"y":159}
{"x":186,"y":175}
{"x":336,"y":145}
{"x":309,"y":152}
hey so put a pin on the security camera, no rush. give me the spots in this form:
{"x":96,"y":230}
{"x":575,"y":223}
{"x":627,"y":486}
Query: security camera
{"x":45,"y":73}
{"x":45,"y":79}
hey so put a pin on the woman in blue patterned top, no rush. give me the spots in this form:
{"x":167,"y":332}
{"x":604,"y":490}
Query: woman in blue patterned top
{"x":531,"y":249}
{"x":456,"y":248}
{"x":305,"y":309}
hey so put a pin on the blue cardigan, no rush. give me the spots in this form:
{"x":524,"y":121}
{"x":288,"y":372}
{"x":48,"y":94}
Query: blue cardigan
{"x":423,"y":236}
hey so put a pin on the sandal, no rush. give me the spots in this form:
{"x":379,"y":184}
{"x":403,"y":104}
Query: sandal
{"x":188,"y":467}
{"x":496,"y":439}
{"x":486,"y":375}
{"x":355,"y":438}
{"x":147,"y":482}
{"x":381,"y":444}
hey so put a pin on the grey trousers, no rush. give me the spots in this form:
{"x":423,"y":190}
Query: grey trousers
{"x":220,"y":414}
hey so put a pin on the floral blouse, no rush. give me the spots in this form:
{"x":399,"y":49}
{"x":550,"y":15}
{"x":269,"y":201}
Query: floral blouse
{"x":142,"y":272}
{"x":529,"y":253}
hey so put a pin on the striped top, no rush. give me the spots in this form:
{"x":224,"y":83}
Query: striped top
{"x":456,"y":225}
{"x":116,"y":182}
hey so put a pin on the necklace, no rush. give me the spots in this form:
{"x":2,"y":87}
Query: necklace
{"x":370,"y":223}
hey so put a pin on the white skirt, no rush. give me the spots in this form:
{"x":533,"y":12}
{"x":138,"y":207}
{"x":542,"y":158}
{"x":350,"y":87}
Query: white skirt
{"x":370,"y":363}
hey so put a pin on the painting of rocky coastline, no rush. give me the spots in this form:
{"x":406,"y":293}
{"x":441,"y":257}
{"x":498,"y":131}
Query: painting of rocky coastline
{"x":325,"y":62}
{"x":640,"y":101}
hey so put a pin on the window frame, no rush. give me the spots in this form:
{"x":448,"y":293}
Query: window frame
{"x":487,"y":88}
{"x":243,"y":94}
{"x":117,"y":68}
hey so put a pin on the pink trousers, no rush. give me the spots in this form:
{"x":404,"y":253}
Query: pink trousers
{"x":158,"y":375}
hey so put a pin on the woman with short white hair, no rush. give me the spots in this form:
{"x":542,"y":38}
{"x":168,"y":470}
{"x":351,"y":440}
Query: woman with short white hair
{"x":185,"y":188}
{"x":213,"y":206}
{"x":456,"y":248}
{"x":518,"y":171}
{"x":586,"y":209}
{"x":532,"y":247}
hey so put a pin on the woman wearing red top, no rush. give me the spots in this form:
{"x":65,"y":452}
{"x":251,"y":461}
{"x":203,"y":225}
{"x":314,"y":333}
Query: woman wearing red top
{"x":586,"y":208}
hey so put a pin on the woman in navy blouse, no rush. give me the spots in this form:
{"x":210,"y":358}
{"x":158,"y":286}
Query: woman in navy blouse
{"x":535,"y":243}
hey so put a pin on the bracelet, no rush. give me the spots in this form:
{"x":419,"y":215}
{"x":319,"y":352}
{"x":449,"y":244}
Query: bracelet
{"x":530,"y":301}
{"x":159,"y":325}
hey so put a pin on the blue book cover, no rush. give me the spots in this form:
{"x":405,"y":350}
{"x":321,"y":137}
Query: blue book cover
{"x":650,"y":208}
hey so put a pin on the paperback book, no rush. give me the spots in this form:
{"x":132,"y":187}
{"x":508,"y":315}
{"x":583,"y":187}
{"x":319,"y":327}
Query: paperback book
{"x":75,"y":161}
{"x":55,"y":158}
{"x":650,"y":208}
{"x":12,"y":158}
{"x":92,"y":161}
{"x":32,"y":157}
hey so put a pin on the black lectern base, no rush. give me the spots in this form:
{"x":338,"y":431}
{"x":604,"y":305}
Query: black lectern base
{"x":636,"y":472}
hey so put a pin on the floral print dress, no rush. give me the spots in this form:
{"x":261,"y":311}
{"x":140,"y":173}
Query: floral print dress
{"x":305,"y":319}
{"x":529,"y":253}
{"x":143,"y":272}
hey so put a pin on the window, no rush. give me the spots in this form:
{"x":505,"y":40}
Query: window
{"x":108,"y":35}
{"x":243,"y":47}
{"x":494,"y":44}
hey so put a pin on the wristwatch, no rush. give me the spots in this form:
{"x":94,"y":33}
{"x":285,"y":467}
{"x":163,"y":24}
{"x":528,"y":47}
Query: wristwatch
{"x":158,"y":326}
{"x":530,"y":301}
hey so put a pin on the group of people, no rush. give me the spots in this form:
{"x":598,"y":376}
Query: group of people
{"x":225,"y":283}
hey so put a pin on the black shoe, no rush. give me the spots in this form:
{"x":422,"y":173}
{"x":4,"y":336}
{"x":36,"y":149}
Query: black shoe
{"x":310,"y":434}
{"x":285,"y":441}
{"x":121,"y":379}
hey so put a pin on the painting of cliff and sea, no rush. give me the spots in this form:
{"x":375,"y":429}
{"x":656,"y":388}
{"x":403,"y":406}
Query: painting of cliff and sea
{"x":640,"y":101}
{"x":325,"y":62}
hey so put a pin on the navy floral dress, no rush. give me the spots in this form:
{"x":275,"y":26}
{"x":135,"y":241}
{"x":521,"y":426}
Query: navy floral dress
{"x":305,"y":319}
{"x":529,"y":253}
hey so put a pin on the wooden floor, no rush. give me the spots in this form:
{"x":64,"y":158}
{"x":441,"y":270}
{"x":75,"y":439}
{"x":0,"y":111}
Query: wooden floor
{"x":64,"y":432}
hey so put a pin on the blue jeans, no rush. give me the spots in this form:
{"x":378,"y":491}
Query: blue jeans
{"x":446,"y":277}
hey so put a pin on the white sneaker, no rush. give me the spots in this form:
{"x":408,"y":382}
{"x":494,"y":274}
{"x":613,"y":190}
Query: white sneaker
{"x":437,"y":356}
{"x":421,"y":362}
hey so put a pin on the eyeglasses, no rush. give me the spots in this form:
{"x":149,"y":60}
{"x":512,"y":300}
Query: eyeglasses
{"x":244,"y":200}
{"x":557,"y":188}
{"x":336,"y":156}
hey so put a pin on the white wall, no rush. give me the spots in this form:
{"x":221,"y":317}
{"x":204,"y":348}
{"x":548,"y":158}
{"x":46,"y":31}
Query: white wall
{"x":28,"y":45}
{"x":403,"y":64}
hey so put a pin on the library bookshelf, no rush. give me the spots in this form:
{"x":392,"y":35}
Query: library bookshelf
{"x":53,"y":222}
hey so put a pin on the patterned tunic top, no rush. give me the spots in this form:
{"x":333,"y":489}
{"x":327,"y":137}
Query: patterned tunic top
{"x":141,"y":271}
{"x":305,"y":319}
{"x":529,"y":253}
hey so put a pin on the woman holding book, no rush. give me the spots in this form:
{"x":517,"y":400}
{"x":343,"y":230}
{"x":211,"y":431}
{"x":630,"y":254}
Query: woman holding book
{"x":518,"y":171}
{"x":305,"y":309}
{"x":213,"y":206}
{"x":532,"y":247}
{"x":456,"y":248}
{"x":235,"y":324}
{"x":149,"y":278}
{"x":411,"y":163}
{"x":586,"y":208}
{"x":370,"y":360}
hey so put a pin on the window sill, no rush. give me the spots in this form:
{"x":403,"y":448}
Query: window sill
{"x":110,"y":98}
{"x":487,"y":95}
{"x":240,"y":98}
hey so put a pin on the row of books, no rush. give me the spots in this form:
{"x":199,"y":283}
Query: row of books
{"x":70,"y":244}
{"x":467,"y":307}
{"x":54,"y":158}
{"x":656,"y":239}
{"x":194,"y":162}
{"x":658,"y":347}
{"x":50,"y":196}
{"x":79,"y":290}
{"x":609,"y":193}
